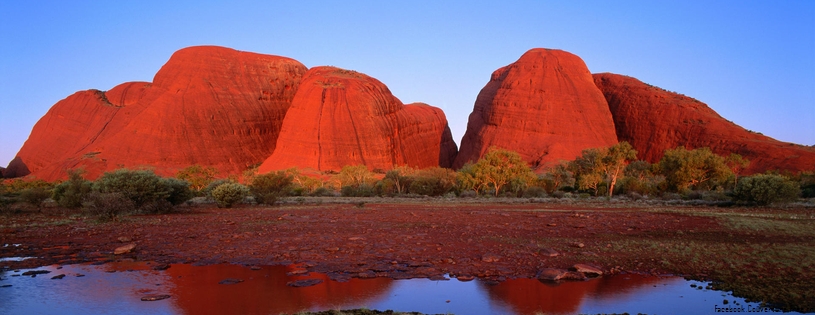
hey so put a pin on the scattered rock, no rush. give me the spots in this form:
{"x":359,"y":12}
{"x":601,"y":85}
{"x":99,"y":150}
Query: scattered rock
{"x":156,"y":297}
{"x":552,"y":274}
{"x":231,"y":281}
{"x":255,"y":268}
{"x":59,"y":276}
{"x":162,"y":267}
{"x":551,"y":224}
{"x":577,"y":244}
{"x":490,"y":258}
{"x":548,"y":252}
{"x":124,"y":239}
{"x":124,"y":249}
{"x":588,"y":270}
{"x":304,"y":283}
{"x":573,"y":275}
{"x":356,"y":238}
{"x":35,"y":272}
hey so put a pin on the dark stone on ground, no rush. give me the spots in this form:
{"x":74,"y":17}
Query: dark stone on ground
{"x":304,"y":283}
{"x":230,"y":281}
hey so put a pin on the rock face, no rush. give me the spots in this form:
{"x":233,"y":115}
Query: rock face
{"x":211,"y":106}
{"x":340,"y":117}
{"x":653,"y":120}
{"x":544,"y":106}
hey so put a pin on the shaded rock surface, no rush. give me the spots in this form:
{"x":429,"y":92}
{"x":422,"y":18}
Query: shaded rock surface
{"x":653,"y":120}
{"x":340,"y":117}
{"x":207,"y":105}
{"x":544,"y":106}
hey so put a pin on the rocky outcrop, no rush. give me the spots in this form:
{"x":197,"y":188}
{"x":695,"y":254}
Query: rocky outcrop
{"x":211,"y":106}
{"x":340,"y":117}
{"x":544,"y":106}
{"x":653,"y":120}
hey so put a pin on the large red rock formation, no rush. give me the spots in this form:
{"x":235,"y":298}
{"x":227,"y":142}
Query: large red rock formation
{"x":340,"y":117}
{"x":653,"y":120}
{"x":544,"y":106}
{"x":208,"y":105}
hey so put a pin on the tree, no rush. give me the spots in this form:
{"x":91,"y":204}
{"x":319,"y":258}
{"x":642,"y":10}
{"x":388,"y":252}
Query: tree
{"x":588,"y":169}
{"x":557,"y":177}
{"x":498,"y":168}
{"x":402,"y":177}
{"x":268,"y":187}
{"x":615,"y":160}
{"x":355,"y":176}
{"x":693,"y":169}
{"x":737,"y":164}
{"x":434,"y":181}
{"x":198,"y":176}
{"x":70,"y":193}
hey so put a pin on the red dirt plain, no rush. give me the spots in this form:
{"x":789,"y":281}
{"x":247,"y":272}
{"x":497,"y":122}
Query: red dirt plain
{"x":428,"y":238}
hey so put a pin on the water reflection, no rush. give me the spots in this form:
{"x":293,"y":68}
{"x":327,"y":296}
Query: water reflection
{"x":118,"y":287}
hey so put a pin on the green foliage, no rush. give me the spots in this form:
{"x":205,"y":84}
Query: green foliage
{"x":197,"y":176}
{"x":640,"y":179}
{"x":736,"y":163}
{"x":323,"y":192}
{"x":807,"y":183}
{"x":498,"y":169}
{"x":70,"y":193}
{"x":228,"y":194}
{"x":17,"y":185}
{"x":268,"y":187}
{"x":435,"y":181}
{"x":214,"y":184}
{"x":363,"y":190}
{"x":148,"y":192}
{"x":556,"y":178}
{"x":180,"y":190}
{"x":107,"y":206}
{"x":697,"y":169}
{"x":602,"y":166}
{"x":35,"y":196}
{"x":765,"y":189}
{"x":355,"y":176}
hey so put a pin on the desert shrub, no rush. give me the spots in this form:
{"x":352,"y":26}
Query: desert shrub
{"x":431,"y":186}
{"x":180,"y":191}
{"x":323,"y":192}
{"x":535,"y":192}
{"x":70,"y":193}
{"x":35,"y":196}
{"x":468,"y":194}
{"x":228,"y":194}
{"x":386,"y":187}
{"x":107,"y":206}
{"x":363,"y":190}
{"x":559,"y":194}
{"x":355,"y":176}
{"x":671,"y":196}
{"x":807,"y":184}
{"x":765,"y":189}
{"x":207,"y":191}
{"x":268,"y":187}
{"x":142,"y":187}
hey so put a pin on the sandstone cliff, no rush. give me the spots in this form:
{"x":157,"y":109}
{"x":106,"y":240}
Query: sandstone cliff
{"x":653,"y":120}
{"x":340,"y":117}
{"x":208,"y":105}
{"x":544,"y":106}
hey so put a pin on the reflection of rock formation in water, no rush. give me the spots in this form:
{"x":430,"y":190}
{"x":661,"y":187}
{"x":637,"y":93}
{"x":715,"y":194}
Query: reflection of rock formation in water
{"x":196,"y":290}
{"x":528,"y":296}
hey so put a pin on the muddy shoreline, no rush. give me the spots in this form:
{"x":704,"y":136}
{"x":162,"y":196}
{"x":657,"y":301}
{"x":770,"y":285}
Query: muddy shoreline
{"x":422,"y":238}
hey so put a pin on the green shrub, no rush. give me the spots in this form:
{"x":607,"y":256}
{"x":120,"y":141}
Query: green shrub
{"x":323,"y":192}
{"x":107,"y":206}
{"x":70,"y":193}
{"x":180,"y":191}
{"x":142,"y":187}
{"x":35,"y":196}
{"x":214,"y":184}
{"x":535,"y":192}
{"x":267,"y":188}
{"x":765,"y":189}
{"x":363,"y":190}
{"x":228,"y":194}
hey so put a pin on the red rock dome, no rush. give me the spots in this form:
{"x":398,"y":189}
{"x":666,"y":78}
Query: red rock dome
{"x":544,"y":106}
{"x":340,"y":117}
{"x":653,"y":120}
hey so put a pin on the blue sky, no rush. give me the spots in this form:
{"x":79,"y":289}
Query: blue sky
{"x":751,"y":61}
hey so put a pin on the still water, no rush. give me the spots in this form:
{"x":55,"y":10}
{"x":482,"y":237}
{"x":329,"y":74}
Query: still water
{"x":117,"y":288}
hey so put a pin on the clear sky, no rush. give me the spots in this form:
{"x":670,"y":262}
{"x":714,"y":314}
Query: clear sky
{"x":751,"y":61}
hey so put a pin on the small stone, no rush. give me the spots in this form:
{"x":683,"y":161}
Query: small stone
{"x":552,"y":224}
{"x":552,"y":274}
{"x":578,"y":245}
{"x":573,"y":275}
{"x":490,"y":258}
{"x":124,"y":249}
{"x":332,"y":249}
{"x":548,"y":252}
{"x":356,"y":238}
{"x":156,"y":297}
{"x":124,"y":239}
{"x":162,"y":267}
{"x":465,"y":278}
{"x":588,"y":270}
{"x":35,"y":272}
{"x":255,"y":268}
{"x":304,"y":283}
{"x":230,"y":281}
{"x":60,"y":276}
